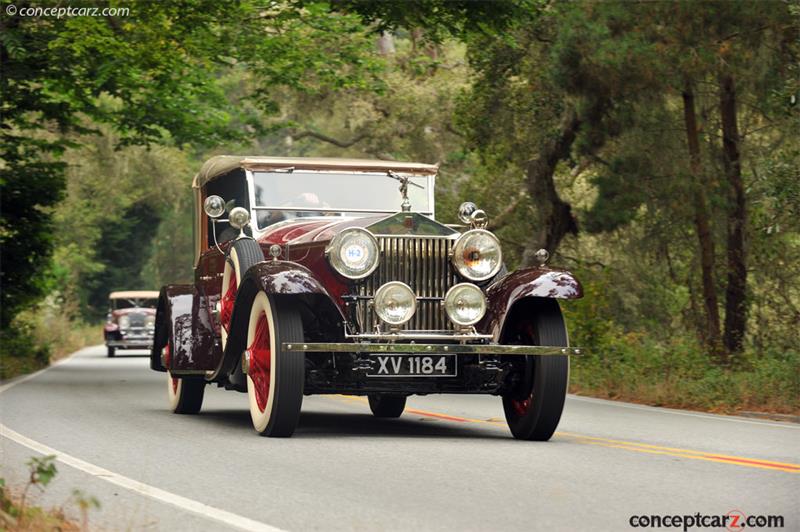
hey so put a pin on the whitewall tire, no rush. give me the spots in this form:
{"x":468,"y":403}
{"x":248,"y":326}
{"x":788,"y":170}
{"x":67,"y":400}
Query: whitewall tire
{"x":275,"y":378}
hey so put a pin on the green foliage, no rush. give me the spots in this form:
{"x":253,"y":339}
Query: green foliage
{"x":85,"y":502}
{"x":28,"y":189}
{"x":42,"y":470}
{"x":154,"y":77}
{"x":20,"y":353}
{"x":439,"y":17}
{"x":673,"y":371}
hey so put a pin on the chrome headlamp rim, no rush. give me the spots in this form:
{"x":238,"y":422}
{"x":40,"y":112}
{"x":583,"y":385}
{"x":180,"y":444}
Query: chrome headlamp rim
{"x":378,"y":296}
{"x":456,"y":253}
{"x":456,"y":288}
{"x":332,"y":253}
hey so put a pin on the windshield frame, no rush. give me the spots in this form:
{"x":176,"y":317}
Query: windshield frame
{"x":250,"y":176}
{"x":135,"y":303}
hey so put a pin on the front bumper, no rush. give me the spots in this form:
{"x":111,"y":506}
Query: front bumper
{"x":144,"y":341}
{"x":456,"y":349}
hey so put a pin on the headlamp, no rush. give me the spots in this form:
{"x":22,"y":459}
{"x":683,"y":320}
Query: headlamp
{"x":477,"y":255}
{"x":353,"y":253}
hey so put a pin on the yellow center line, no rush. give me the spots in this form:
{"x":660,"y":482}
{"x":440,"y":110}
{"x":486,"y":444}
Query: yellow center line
{"x":621,"y":444}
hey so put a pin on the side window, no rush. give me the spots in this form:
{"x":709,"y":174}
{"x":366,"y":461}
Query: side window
{"x":233,"y":189}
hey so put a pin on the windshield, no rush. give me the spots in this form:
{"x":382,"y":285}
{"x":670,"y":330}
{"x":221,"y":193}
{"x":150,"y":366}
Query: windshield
{"x":123,"y":303}
{"x":284,"y":195}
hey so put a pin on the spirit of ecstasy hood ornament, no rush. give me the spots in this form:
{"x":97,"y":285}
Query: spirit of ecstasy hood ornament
{"x":405,"y":180}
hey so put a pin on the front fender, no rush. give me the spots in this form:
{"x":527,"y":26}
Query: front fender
{"x":178,"y":317}
{"x":283,"y":280}
{"x":521,"y":284}
{"x":284,"y":277}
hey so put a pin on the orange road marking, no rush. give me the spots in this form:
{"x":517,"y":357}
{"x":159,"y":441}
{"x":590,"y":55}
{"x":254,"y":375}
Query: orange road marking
{"x":622,"y":444}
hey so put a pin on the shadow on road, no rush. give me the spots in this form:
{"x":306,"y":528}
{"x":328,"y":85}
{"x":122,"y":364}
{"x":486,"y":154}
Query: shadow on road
{"x":322,"y":425}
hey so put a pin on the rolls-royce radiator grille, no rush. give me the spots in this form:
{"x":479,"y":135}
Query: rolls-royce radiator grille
{"x":136,"y":319}
{"x":424,"y":265}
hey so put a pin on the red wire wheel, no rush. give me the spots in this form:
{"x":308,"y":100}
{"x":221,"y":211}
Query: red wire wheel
{"x":533,"y":409}
{"x":228,"y":299}
{"x":260,"y":362}
{"x":275,"y":378}
{"x":242,"y":255}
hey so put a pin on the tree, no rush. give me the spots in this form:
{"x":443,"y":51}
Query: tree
{"x":154,"y":75}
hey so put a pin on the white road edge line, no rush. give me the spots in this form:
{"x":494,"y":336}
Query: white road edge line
{"x":204,"y":510}
{"x":141,"y":488}
{"x":661,"y":410}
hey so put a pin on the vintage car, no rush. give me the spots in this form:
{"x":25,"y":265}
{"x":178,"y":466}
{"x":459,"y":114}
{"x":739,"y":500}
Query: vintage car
{"x":332,"y":276}
{"x":131,"y":320}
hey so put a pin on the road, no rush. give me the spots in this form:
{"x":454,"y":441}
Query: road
{"x":448,"y":463}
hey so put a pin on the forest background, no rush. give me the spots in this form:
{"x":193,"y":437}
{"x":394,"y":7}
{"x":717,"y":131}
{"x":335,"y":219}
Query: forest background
{"x":652,"y":147}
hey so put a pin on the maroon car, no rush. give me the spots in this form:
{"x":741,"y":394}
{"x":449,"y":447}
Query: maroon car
{"x":332,"y":276}
{"x":131,"y":319}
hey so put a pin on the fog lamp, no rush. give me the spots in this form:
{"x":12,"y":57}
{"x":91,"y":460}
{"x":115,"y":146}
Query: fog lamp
{"x":465,"y":304}
{"x":395,"y":303}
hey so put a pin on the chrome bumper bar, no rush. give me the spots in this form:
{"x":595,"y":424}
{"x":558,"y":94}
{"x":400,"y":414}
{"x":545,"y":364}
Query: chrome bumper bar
{"x":456,"y":349}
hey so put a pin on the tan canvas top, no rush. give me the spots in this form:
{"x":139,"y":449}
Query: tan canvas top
{"x":222,"y":164}
{"x":134,"y":294}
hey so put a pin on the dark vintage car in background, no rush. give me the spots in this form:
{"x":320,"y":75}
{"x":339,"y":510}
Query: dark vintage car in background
{"x":131,"y":320}
{"x":332,"y":276}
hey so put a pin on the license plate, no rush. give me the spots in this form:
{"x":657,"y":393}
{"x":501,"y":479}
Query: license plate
{"x":413,"y":366}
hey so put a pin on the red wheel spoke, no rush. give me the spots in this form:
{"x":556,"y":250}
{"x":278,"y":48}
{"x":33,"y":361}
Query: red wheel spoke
{"x":228,"y":299}
{"x":260,"y":357}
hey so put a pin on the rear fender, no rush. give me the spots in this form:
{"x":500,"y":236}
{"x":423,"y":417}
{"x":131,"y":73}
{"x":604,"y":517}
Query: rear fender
{"x":523,"y":285}
{"x":178,"y":317}
{"x":282,"y":280}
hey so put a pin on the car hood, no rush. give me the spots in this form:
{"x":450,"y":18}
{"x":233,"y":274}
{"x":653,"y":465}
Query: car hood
{"x":323,"y":229}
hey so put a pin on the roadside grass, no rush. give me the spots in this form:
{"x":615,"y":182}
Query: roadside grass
{"x":675,"y":371}
{"x":653,"y":374}
{"x":16,"y":518}
{"x":37,"y":338}
{"x":17,"y":514}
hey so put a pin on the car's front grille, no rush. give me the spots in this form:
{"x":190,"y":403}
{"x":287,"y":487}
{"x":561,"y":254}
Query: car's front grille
{"x":423,"y":263}
{"x":136,"y":319}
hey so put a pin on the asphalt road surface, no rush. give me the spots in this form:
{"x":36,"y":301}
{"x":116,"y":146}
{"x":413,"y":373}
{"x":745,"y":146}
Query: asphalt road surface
{"x":448,"y":463}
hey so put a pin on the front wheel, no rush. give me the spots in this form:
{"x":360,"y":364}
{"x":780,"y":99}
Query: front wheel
{"x":386,"y":405}
{"x":242,"y":255}
{"x":534,"y":408}
{"x":185,"y":395}
{"x":275,"y":378}
{"x":111,"y":351}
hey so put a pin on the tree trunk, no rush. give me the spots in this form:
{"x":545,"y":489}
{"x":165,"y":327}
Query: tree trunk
{"x":735,"y":292}
{"x":386,"y":44}
{"x":711,"y":332}
{"x":554,"y":217}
